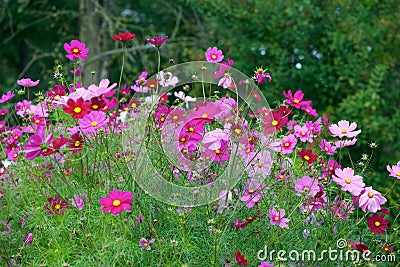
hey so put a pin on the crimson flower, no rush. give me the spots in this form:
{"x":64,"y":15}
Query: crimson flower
{"x":123,"y":37}
{"x":76,"y":143}
{"x":241,"y":261}
{"x":307,"y":156}
{"x":274,"y":121}
{"x":56,"y":205}
{"x":157,"y":41}
{"x":78,"y":109}
{"x":377,"y":223}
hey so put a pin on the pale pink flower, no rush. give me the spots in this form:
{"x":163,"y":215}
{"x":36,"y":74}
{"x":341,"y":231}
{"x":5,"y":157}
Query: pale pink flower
{"x":277,"y":218}
{"x":6,"y":97}
{"x":102,"y":89}
{"x":344,"y":129}
{"x":345,"y":143}
{"x":349,"y":182}
{"x":146,"y":244}
{"x":92,"y":121}
{"x":371,"y":200}
{"x":27,"y":82}
{"x":394,"y":170}
{"x":303,"y":133}
{"x":213,"y":140}
{"x":306,"y":186}
{"x":327,"y":147}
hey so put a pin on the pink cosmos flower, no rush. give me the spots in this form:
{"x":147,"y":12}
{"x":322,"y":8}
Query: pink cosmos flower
{"x":78,"y":201}
{"x":6,"y":97}
{"x":309,"y":110}
{"x":27,"y":82}
{"x":371,"y":200}
{"x":394,"y":170}
{"x":185,"y":98}
{"x":102,"y":89}
{"x":214,"y":55}
{"x":277,"y":218}
{"x":76,"y":49}
{"x":327,"y":147}
{"x":92,"y":121}
{"x":260,"y":166}
{"x":167,"y":79}
{"x":146,"y":244}
{"x":28,"y":239}
{"x":117,"y":201}
{"x":344,"y":129}
{"x":223,"y":68}
{"x":306,"y":186}
{"x":349,"y":182}
{"x":252,"y":193}
{"x":3,"y":112}
{"x":296,"y":100}
{"x":266,"y":264}
{"x":288,"y":143}
{"x":37,"y":143}
{"x":213,"y":140}
{"x":157,"y":41}
{"x":303,"y":133}
{"x":345,"y":143}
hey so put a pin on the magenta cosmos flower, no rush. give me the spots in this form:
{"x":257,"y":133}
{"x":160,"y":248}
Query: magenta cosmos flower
{"x":296,"y":100}
{"x":371,"y":200}
{"x":6,"y":97}
{"x":27,"y":82}
{"x":277,"y":218}
{"x":394,"y":170}
{"x":37,"y":143}
{"x":92,"y":121}
{"x":214,"y":55}
{"x":288,"y":143}
{"x":349,"y":182}
{"x":266,"y":264}
{"x":146,"y":244}
{"x":157,"y":41}
{"x":253,"y":193}
{"x":76,"y":49}
{"x":117,"y":201}
{"x":344,"y":129}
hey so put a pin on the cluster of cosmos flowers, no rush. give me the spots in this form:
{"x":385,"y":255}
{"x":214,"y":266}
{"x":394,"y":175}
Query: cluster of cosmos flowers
{"x":205,"y":134}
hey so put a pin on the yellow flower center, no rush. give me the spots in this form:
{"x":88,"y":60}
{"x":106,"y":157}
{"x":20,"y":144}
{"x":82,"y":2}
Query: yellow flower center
{"x":303,"y":133}
{"x":133,"y":105}
{"x":15,"y":155}
{"x":275,"y":122}
{"x":217,"y":151}
{"x":213,"y":56}
{"x":344,"y":131}
{"x":57,"y":206}
{"x":260,"y":164}
{"x":348,"y":180}
{"x":397,"y":173}
{"x":296,"y":101}
{"x":75,"y":50}
{"x":276,"y":218}
{"x":191,"y":129}
{"x":162,"y":119}
{"x":287,"y":144}
{"x":260,"y":70}
{"x":326,"y":149}
{"x":116,"y":203}
{"x":248,"y":150}
{"x":175,"y":118}
{"x":77,"y":143}
{"x":204,"y":116}
{"x":370,"y":194}
{"x":183,"y":139}
{"x":377,"y":223}
{"x":95,"y":106}
{"x":37,"y":121}
{"x":145,"y":244}
{"x":251,"y":191}
{"x":94,"y":123}
{"x":57,"y":96}
{"x":238,"y":131}
{"x":77,"y":110}
{"x":306,"y":157}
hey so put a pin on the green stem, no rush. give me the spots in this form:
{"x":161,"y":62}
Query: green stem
{"x":122,"y":71}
